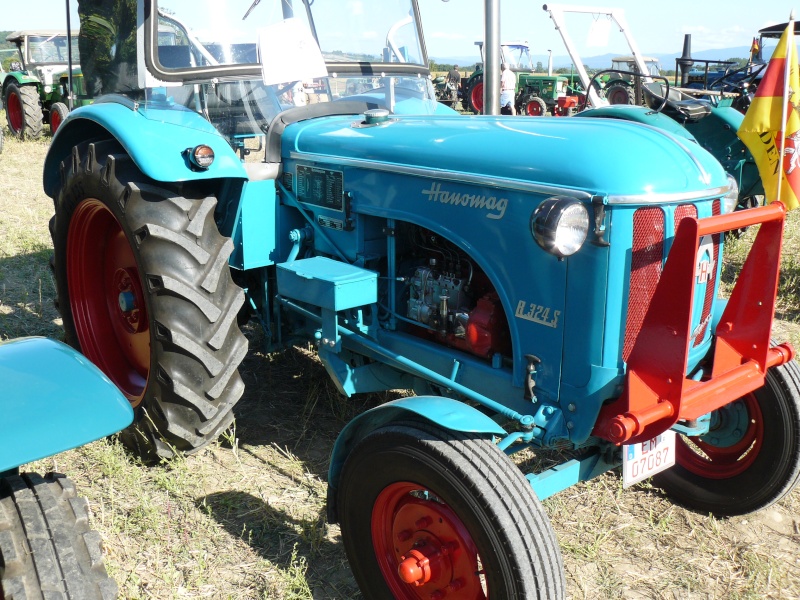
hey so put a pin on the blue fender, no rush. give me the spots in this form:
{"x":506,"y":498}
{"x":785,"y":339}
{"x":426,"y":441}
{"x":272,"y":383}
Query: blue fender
{"x":155,"y":135}
{"x":444,"y":412}
{"x":53,"y":399}
{"x":638,"y":114}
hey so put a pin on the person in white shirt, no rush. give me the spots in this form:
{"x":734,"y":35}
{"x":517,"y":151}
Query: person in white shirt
{"x":508,"y":85}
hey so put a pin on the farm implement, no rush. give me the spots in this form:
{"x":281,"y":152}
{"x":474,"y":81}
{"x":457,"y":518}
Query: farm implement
{"x":534,"y":293}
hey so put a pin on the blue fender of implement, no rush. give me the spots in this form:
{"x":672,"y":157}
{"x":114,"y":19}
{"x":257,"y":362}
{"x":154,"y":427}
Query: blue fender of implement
{"x":155,"y":136}
{"x":53,"y":399}
{"x":444,"y":412}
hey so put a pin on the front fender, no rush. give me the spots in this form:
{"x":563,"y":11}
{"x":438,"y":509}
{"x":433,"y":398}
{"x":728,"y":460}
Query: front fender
{"x":20,"y":78}
{"x":154,"y":136}
{"x":444,"y":412}
{"x":53,"y":399}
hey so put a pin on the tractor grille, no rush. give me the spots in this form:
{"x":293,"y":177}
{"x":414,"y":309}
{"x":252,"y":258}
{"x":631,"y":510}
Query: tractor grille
{"x":647,"y":254}
{"x":647,"y":258}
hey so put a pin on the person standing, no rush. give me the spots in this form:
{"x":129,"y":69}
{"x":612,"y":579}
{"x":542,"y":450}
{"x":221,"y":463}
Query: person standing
{"x":508,"y":85}
{"x":453,"y":76}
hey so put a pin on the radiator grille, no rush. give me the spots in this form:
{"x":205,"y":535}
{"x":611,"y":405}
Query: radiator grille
{"x":647,"y":254}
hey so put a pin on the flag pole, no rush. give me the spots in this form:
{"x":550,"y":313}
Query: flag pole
{"x":790,"y":50}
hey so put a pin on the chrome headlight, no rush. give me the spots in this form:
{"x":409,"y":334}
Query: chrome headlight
{"x":559,"y":225}
{"x":731,"y":198}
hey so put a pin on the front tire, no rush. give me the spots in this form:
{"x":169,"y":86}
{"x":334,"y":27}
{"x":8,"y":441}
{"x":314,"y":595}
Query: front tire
{"x":23,"y":111}
{"x":58,"y":112}
{"x":145,"y":293}
{"x":425,"y":510}
{"x":46,"y":547}
{"x":750,"y":458}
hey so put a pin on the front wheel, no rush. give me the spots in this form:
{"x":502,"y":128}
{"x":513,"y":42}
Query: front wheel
{"x":58,"y":112}
{"x":145,"y":293}
{"x":534,"y":106}
{"x":426,"y":513}
{"x":46,"y":547}
{"x":749,"y":459}
{"x":23,"y":111}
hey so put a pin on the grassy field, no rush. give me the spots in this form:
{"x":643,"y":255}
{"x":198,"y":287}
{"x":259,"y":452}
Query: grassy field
{"x":245,"y":518}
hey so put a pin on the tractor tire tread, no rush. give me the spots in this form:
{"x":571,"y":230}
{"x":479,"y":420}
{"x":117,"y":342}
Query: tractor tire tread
{"x":46,"y":546}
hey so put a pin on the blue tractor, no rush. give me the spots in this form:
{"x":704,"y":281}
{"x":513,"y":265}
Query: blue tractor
{"x":540,"y":284}
{"x":47,"y":549}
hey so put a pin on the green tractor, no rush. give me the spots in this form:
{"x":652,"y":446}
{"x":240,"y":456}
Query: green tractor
{"x":34,"y":91}
{"x":536,"y":94}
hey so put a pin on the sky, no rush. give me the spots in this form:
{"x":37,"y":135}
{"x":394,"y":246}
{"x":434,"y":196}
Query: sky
{"x":452,"y":27}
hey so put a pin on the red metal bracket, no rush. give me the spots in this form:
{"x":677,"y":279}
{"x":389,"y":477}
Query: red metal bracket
{"x":657,"y":392}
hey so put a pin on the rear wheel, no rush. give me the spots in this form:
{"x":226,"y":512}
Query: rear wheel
{"x":23,"y":111}
{"x":46,"y":547}
{"x":475,"y":96}
{"x":619,"y":94}
{"x":58,"y":112}
{"x":145,"y":293}
{"x":749,"y":459}
{"x":427,"y":512}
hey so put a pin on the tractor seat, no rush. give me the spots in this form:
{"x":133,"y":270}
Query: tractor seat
{"x":679,"y":106}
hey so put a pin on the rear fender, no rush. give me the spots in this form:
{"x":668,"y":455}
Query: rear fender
{"x":155,"y":138}
{"x":444,"y":412}
{"x":53,"y":399}
{"x":639,"y":114}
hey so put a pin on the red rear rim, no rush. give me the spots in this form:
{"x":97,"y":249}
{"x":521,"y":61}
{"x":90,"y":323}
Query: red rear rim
{"x":14,"y":108}
{"x":55,"y":121}
{"x":106,"y":298}
{"x":534,"y":109}
{"x":423,"y":549}
{"x":729,"y":450}
{"x":476,"y":96}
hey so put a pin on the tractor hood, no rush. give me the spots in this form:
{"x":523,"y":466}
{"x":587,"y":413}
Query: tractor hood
{"x":628,"y":162}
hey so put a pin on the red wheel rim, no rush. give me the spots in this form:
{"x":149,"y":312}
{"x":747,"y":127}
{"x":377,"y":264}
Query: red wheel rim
{"x":106,"y":298}
{"x":723,"y":462}
{"x":14,"y":108}
{"x":422,"y":547}
{"x":534,"y":109}
{"x":619,"y":97}
{"x":55,"y":121}
{"x":476,"y":96}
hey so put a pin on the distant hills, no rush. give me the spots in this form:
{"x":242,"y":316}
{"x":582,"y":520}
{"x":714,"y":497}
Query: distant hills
{"x":667,"y":61}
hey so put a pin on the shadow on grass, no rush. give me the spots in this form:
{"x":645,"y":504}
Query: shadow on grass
{"x":27,"y":293}
{"x":289,"y":543}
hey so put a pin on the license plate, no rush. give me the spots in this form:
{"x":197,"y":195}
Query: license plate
{"x":645,"y":459}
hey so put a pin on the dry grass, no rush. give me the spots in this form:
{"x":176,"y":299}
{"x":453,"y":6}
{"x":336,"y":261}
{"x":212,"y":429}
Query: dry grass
{"x":245,"y":519}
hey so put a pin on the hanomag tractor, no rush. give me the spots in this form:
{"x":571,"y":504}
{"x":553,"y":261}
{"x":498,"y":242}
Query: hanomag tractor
{"x":528,"y":303}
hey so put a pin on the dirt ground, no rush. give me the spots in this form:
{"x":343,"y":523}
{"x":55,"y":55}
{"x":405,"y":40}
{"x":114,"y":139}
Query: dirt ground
{"x":246,"y":518}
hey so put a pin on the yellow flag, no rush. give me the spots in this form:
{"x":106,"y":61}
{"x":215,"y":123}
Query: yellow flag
{"x":771,"y":127}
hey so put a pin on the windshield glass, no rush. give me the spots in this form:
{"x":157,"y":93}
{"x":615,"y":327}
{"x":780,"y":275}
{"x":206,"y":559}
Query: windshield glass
{"x":202,"y":33}
{"x":50,"y":49}
{"x":517,"y":57}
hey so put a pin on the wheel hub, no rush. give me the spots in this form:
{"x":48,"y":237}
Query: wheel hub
{"x":423,"y":547}
{"x":129,"y":300}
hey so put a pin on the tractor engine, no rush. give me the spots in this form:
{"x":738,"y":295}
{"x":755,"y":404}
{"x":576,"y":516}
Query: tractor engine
{"x":455,"y":302}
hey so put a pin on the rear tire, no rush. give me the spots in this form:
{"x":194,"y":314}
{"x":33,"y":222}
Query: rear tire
{"x":474,"y":96}
{"x":619,"y":94}
{"x":145,"y":293}
{"x":23,"y":111}
{"x":751,"y":456}
{"x":46,"y":547}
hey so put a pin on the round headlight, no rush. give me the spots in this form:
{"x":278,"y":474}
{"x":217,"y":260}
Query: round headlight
{"x":731,"y":198}
{"x":47,"y":89}
{"x":201,"y":156}
{"x":559,"y":225}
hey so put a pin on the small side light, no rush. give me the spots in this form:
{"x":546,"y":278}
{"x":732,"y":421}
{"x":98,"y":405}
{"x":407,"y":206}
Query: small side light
{"x":731,"y":199}
{"x":559,"y":225}
{"x":201,"y":156}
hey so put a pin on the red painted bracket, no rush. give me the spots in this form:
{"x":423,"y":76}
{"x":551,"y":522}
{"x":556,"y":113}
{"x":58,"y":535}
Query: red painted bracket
{"x":657,"y":392}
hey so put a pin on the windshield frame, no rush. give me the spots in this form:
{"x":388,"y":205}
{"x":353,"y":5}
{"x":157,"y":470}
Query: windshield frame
{"x":253,"y":71}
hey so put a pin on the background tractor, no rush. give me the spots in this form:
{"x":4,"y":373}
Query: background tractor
{"x":46,"y":547}
{"x":529,"y":305}
{"x":34,"y":91}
